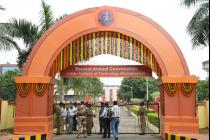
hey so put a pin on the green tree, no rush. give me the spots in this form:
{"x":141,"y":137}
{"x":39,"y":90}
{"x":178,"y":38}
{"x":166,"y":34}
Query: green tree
{"x":28,"y":32}
{"x":7,"y":85}
{"x":138,"y":87}
{"x":6,"y":42}
{"x":61,"y":88}
{"x":198,"y":27}
{"x":2,"y":8}
{"x":86,"y":86}
{"x":93,"y":87}
{"x":153,"y":95}
{"x":202,"y":90}
{"x":77,"y":85}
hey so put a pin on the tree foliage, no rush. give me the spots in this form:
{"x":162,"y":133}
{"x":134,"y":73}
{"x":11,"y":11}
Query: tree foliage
{"x":26,"y":31}
{"x":138,"y":87}
{"x":7,"y":43}
{"x":86,"y":86}
{"x":2,"y":8}
{"x":7,"y":85}
{"x":81,"y":87}
{"x":198,"y":27}
{"x":202,"y":90}
{"x":61,"y":88}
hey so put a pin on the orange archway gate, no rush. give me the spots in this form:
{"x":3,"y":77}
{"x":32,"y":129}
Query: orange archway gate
{"x":105,"y":30}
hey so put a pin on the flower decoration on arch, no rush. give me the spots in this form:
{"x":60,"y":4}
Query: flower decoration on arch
{"x":40,"y":88}
{"x":23,"y":89}
{"x":171,"y":88}
{"x":187,"y":88}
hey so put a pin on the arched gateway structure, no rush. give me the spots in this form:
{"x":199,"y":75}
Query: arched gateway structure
{"x":105,"y":30}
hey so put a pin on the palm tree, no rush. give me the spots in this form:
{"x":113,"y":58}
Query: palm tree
{"x":2,"y":8}
{"x":77,"y":84}
{"x":198,"y":27}
{"x":61,"y":88}
{"x":28,"y":32}
{"x":86,"y":86}
{"x":7,"y":42}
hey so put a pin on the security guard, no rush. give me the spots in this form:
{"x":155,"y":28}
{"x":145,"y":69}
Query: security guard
{"x":90,"y":116}
{"x":82,"y":120}
{"x":142,"y":113}
{"x":58,"y":118}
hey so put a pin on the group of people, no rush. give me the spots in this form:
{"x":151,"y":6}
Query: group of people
{"x":109,"y":118}
{"x":79,"y":117}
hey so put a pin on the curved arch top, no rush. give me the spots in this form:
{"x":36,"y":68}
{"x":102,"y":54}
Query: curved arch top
{"x":143,"y":29}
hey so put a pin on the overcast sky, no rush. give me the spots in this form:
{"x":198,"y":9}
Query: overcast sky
{"x":167,"y":13}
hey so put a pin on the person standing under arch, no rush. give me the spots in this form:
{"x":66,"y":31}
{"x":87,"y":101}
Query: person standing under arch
{"x":82,"y":120}
{"x":70,"y":115}
{"x":64,"y":117}
{"x":115,"y":119}
{"x":142,"y":113}
{"x":75,"y":116}
{"x":106,"y":121}
{"x":90,"y":116}
{"x":101,"y":118}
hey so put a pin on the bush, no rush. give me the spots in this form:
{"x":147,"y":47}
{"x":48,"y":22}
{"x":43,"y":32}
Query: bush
{"x":136,"y":100}
{"x":153,"y":119}
{"x":54,"y":121}
{"x":150,"y":110}
{"x":134,"y":110}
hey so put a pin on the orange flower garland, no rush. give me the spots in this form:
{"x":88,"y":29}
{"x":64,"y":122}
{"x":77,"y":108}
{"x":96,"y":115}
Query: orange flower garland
{"x":39,"y":88}
{"x":23,"y":89}
{"x":187,"y":88}
{"x":170,"y":88}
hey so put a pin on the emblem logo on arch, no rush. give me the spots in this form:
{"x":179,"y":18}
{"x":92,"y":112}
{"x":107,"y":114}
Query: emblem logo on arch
{"x":105,"y":18}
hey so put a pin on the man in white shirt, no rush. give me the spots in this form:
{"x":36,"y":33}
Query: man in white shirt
{"x":75,"y":116}
{"x":115,"y":119}
{"x":64,"y":116}
{"x":71,"y":113}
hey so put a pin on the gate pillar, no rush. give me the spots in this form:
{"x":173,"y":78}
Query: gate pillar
{"x":34,"y":105}
{"x":178,"y":105}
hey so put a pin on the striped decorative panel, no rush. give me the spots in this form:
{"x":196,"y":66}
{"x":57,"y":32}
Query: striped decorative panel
{"x":97,"y":43}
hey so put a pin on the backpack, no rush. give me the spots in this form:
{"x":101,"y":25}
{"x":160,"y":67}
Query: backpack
{"x":109,"y":113}
{"x":101,"y":111}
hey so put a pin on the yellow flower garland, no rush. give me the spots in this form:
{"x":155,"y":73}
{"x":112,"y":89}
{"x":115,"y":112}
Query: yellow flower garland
{"x":170,"y":88}
{"x":23,"y":89}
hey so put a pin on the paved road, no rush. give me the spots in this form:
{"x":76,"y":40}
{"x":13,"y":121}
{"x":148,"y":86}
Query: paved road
{"x":128,"y":124}
{"x":98,"y":137}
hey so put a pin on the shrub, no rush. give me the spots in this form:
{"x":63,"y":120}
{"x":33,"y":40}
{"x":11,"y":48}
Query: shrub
{"x":134,"y":110}
{"x":54,"y":121}
{"x":150,"y":110}
{"x":136,"y":100}
{"x":153,"y":119}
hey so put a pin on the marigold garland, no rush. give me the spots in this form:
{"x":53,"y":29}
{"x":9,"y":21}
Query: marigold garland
{"x":187,"y":88}
{"x":23,"y":89}
{"x":39,"y":88}
{"x":104,"y":42}
{"x":170,"y":88}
